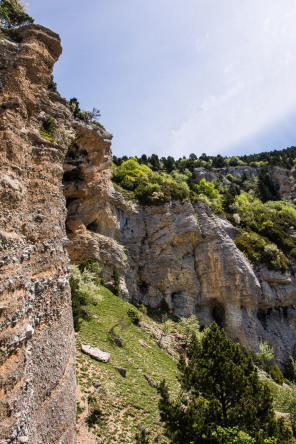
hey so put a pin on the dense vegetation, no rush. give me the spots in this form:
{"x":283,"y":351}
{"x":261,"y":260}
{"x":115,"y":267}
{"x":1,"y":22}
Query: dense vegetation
{"x":284,"y":158}
{"x":220,"y":392}
{"x":248,"y":198}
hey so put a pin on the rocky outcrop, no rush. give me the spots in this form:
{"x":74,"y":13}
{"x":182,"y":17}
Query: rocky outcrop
{"x":283,"y":180}
{"x":181,"y":253}
{"x":237,"y":172}
{"x":37,"y":396}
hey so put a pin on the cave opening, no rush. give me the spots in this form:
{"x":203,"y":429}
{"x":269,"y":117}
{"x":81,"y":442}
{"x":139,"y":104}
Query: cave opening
{"x":93,"y":226}
{"x":73,"y":175}
{"x":218,"y":314}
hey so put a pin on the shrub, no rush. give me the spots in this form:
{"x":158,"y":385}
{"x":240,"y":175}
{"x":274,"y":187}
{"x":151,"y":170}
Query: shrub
{"x":189,"y":326}
{"x":52,"y":86}
{"x":47,"y":130}
{"x":266,"y":353}
{"x":207,"y":189}
{"x":148,"y":186}
{"x":290,"y":371}
{"x":91,"y":265}
{"x":91,"y":116}
{"x":64,"y":136}
{"x":116,"y":281}
{"x":141,"y":438}
{"x":235,"y":161}
{"x":84,"y":290}
{"x":86,"y":115}
{"x":142,"y":308}
{"x":133,"y":316}
{"x":95,"y":411}
{"x":259,"y":250}
{"x":276,"y":374}
{"x":232,"y":435}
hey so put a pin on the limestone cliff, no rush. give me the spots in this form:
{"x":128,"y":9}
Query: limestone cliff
{"x":37,"y":379}
{"x":180,"y":252}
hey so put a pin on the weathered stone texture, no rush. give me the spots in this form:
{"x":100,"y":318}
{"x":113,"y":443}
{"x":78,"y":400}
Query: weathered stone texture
{"x":37,"y":375}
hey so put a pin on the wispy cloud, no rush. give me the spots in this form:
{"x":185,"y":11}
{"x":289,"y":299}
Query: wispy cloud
{"x":201,"y":76}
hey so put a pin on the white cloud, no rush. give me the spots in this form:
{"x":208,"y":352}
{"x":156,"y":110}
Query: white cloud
{"x":174,"y":78}
{"x":255,"y":70}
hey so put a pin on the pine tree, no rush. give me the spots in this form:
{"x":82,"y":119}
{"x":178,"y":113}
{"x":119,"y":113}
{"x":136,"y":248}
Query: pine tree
{"x":219,"y":387}
{"x":116,"y":281}
{"x":13,"y":15}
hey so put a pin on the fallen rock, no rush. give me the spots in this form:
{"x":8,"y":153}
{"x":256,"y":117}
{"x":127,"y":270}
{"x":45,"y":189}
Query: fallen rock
{"x":96,"y":383}
{"x":143,"y":343}
{"x":96,"y":353}
{"x":150,"y":381}
{"x":121,"y":371}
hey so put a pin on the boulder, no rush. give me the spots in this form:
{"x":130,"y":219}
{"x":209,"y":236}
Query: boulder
{"x":96,"y":353}
{"x":96,"y":383}
{"x":121,"y":371}
{"x":150,"y":381}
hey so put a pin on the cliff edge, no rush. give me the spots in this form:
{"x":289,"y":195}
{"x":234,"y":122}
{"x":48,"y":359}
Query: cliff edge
{"x":37,"y":380}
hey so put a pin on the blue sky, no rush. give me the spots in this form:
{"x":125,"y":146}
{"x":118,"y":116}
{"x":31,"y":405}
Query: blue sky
{"x":174,"y":78}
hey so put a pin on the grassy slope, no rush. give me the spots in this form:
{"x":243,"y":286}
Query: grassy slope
{"x":127,"y":402}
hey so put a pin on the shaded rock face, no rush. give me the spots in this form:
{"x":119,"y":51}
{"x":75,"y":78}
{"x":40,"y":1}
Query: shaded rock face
{"x":186,"y":255}
{"x":282,"y":179}
{"x":220,"y":173}
{"x":37,"y":375}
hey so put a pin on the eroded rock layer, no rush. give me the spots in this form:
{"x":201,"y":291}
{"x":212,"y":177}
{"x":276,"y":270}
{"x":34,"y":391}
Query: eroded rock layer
{"x":37,"y":379}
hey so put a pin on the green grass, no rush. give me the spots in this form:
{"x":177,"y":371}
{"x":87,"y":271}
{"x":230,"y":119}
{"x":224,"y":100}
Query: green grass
{"x":124,"y":402}
{"x":282,"y":395}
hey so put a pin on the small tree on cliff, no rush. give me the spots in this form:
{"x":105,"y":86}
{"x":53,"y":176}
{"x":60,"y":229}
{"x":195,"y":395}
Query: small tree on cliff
{"x":13,"y":14}
{"x":219,"y":387}
{"x":116,"y":281}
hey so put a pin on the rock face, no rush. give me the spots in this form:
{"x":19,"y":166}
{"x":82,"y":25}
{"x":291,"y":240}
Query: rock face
{"x":37,"y":396}
{"x":181,"y":253}
{"x":284,"y":181}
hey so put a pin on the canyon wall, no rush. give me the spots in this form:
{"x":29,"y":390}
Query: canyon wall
{"x":181,"y":253}
{"x":37,"y":344}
